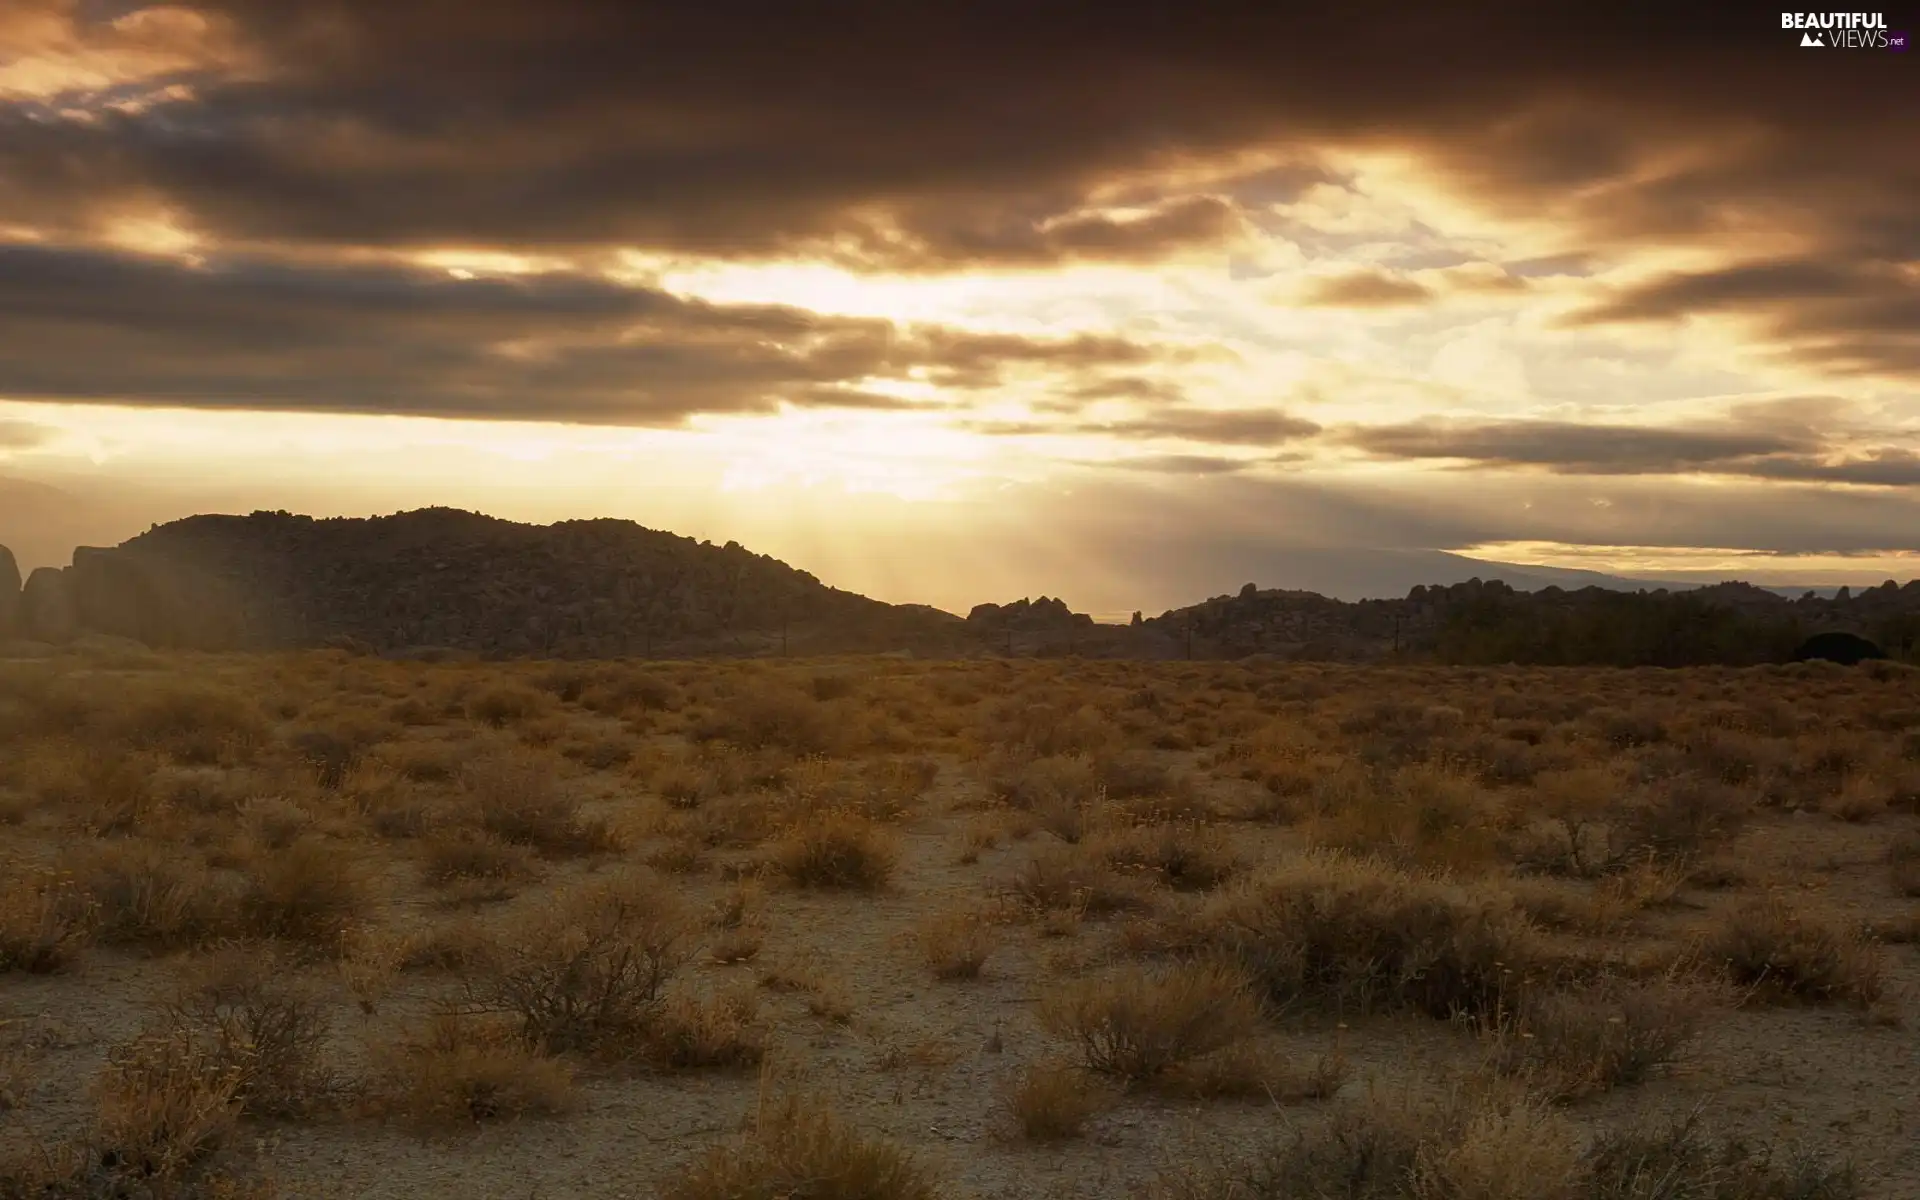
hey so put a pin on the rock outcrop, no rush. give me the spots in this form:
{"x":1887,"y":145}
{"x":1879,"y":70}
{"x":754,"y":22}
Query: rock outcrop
{"x":9,"y":594}
{"x":459,"y":580}
{"x":46,"y":607}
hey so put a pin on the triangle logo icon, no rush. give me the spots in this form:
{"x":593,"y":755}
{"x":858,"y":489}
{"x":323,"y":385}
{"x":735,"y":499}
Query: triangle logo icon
{"x":1811,"y":39}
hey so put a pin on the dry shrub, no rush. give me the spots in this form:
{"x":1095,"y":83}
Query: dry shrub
{"x":166,"y":1105}
{"x":799,"y":1148}
{"x":332,"y":753}
{"x":1349,"y":933}
{"x":587,"y":970}
{"x":311,"y":892}
{"x":1504,"y":1147}
{"x":1680,"y":1161}
{"x":708,"y":1031}
{"x":1420,"y":815}
{"x":465,"y":857}
{"x":152,"y":894}
{"x":1183,"y":857}
{"x":424,"y":761}
{"x":107,"y":792}
{"x":465,"y":1070}
{"x":257,"y":1023}
{"x":776,"y":716}
{"x":1139,"y":1024}
{"x":957,"y":944}
{"x":1575,"y":1044}
{"x":837,"y":850}
{"x":46,"y":920}
{"x":190,"y":724}
{"x":520,"y":801}
{"x":1067,"y":879}
{"x":1777,"y":953}
{"x":503,"y":704}
{"x":1903,"y":865}
{"x":599,"y":754}
{"x":1052,"y":1102}
{"x":1683,"y":817}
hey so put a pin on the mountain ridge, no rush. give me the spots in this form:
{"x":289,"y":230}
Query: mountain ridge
{"x":608,"y":587}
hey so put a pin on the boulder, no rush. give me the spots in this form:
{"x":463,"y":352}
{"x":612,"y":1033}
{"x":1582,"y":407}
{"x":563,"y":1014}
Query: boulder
{"x":9,"y":592}
{"x":1837,"y":646}
{"x":46,"y":607}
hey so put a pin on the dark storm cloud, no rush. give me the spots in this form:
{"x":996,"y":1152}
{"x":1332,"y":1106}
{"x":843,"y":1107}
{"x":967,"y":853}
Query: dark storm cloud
{"x":941,"y":133}
{"x":86,"y":325}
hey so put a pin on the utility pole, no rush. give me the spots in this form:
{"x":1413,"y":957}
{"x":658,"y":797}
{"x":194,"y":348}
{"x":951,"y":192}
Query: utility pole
{"x":1189,"y":637}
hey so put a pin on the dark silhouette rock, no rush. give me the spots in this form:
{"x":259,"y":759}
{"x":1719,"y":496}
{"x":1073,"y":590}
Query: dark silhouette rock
{"x":1837,"y":646}
{"x":46,"y":607}
{"x":9,"y":593}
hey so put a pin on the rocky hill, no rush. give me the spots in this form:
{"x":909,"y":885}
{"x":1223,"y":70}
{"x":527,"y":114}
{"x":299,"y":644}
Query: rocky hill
{"x":452,"y":579}
{"x":448,"y":578}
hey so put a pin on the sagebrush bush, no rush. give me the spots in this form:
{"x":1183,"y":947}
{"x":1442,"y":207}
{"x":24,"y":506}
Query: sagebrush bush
{"x":799,"y":1148}
{"x":46,"y":920}
{"x":1778,"y":953}
{"x":837,"y":850}
{"x":520,"y":801}
{"x":467,"y":1071}
{"x":308,"y":893}
{"x":588,"y":969}
{"x":151,"y":894}
{"x":956,"y":945}
{"x":259,"y":1024}
{"x":1052,"y":1101}
{"x":1573,"y":1044}
{"x":1138,"y":1024}
{"x":1353,"y":934}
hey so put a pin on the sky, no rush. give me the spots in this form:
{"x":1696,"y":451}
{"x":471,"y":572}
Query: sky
{"x":950,"y":303}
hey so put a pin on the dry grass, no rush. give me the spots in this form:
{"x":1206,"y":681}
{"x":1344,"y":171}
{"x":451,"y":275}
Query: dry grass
{"x":309,"y":893}
{"x":1504,"y":1146}
{"x":1186,"y":879}
{"x":1052,"y":1101}
{"x":1138,"y":1025}
{"x":1778,"y":953}
{"x":465,"y":1071}
{"x":840,"y":850}
{"x":800,"y":1148}
{"x":957,"y":945}
{"x":46,"y":920}
{"x":1351,"y":934}
{"x":1568,"y":1045}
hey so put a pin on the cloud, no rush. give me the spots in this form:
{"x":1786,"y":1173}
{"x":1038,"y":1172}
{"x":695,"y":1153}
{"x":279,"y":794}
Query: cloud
{"x":1760,"y":440}
{"x":22,"y":435}
{"x":989,"y":133}
{"x":1180,"y":464}
{"x":1844,"y":317}
{"x":1235,"y":427}
{"x":1570,"y":447}
{"x":1367,"y":289}
{"x":253,"y":333}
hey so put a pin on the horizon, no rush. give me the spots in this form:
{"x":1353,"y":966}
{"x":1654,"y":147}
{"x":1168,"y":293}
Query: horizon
{"x":1124,"y":309}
